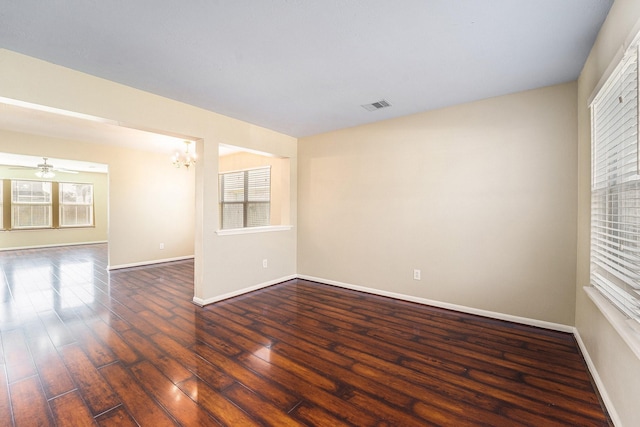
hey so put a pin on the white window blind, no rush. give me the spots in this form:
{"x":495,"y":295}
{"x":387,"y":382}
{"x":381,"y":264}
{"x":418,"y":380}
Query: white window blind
{"x":615,"y":195}
{"x":76,"y":204}
{"x":30,"y":204}
{"x":245,"y":198}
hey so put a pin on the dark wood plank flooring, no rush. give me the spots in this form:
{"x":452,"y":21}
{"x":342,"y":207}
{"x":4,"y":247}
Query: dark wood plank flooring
{"x":82,"y":346}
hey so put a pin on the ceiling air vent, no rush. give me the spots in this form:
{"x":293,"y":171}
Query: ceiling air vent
{"x":383,"y":103}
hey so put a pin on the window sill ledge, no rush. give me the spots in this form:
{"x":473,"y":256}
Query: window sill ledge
{"x":627,"y":328}
{"x":252,"y":230}
{"x":65,"y":227}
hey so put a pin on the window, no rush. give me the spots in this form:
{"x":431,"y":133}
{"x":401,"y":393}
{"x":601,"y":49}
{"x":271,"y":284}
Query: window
{"x":26,"y":204}
{"x":615,"y":193}
{"x":76,"y":205}
{"x":245,"y":198}
{"x":30,"y":204}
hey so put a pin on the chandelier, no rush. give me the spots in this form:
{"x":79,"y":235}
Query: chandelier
{"x":185,"y":158}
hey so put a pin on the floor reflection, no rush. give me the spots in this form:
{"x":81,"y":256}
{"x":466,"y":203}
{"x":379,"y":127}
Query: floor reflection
{"x":31,"y":283}
{"x":75,"y":284}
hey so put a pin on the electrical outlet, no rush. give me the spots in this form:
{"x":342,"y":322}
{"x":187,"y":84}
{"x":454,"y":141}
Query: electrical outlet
{"x":416,"y":274}
{"x":265,"y":263}
{"x":161,"y":245}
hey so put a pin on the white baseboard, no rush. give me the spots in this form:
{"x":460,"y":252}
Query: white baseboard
{"x":495,"y":315}
{"x":464,"y":309}
{"x":53,"y":245}
{"x":151,"y":262}
{"x":202,"y":302}
{"x":596,"y":378}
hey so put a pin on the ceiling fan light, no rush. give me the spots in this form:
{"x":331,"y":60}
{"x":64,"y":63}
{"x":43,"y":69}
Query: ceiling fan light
{"x":45,"y":174}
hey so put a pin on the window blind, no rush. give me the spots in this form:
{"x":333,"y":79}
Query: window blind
{"x":245,"y":198}
{"x":259,"y":188}
{"x":30,"y":204}
{"x":76,"y":205}
{"x":615,"y":195}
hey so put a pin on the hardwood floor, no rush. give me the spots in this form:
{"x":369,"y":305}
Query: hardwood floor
{"x":82,"y":346}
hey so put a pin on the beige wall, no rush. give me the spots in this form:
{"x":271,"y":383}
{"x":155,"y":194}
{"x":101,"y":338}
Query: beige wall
{"x":280,"y":176}
{"x":480,"y":197}
{"x":617,"y":366}
{"x":60,"y":236}
{"x":223,"y":264}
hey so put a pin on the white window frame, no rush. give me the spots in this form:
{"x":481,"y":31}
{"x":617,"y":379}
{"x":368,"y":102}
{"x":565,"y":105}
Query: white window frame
{"x":615,"y":189}
{"x":77,"y":204}
{"x":17,"y":204}
{"x":244,"y":197}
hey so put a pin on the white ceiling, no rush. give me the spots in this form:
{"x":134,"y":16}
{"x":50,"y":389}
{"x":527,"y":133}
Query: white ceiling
{"x":306,"y":67}
{"x":29,"y":118}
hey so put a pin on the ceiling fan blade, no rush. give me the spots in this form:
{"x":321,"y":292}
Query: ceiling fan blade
{"x":22,"y":167}
{"x":42,"y":167}
{"x":63,"y":170}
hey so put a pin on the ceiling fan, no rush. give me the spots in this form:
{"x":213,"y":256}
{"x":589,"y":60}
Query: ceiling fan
{"x":46,"y":170}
